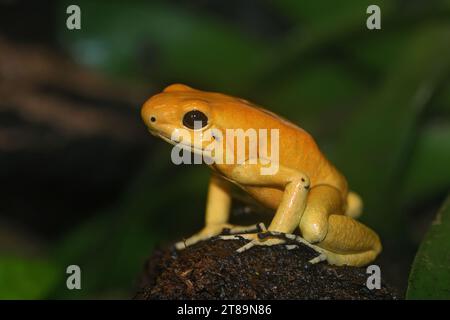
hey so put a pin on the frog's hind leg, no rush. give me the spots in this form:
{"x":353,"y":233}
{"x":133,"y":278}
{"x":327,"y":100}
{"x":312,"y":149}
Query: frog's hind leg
{"x":345,"y":240}
{"x":349,"y":242}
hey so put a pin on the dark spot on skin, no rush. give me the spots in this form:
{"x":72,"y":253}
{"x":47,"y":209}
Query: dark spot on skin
{"x":263,"y":235}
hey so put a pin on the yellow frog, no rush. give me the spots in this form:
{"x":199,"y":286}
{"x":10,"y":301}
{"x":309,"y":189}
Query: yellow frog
{"x":306,"y":190}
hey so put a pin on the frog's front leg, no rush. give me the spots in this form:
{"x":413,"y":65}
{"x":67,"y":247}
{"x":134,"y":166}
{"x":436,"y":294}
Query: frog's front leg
{"x":217,"y":214}
{"x":293,"y":202}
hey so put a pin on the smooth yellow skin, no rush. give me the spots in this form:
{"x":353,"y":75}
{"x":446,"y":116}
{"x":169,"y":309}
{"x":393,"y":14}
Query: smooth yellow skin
{"x":307,"y":191}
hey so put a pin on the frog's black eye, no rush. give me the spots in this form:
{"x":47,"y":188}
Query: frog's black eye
{"x":193,"y":118}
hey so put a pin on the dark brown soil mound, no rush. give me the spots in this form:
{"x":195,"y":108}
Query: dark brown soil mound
{"x":213,"y":270}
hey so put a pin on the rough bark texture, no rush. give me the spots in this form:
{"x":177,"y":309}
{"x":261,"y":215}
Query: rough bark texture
{"x":213,"y":270}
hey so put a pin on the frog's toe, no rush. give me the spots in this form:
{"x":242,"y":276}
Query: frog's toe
{"x":180,"y":245}
{"x":242,"y":229}
{"x":321,"y":257}
{"x":191,"y":241}
{"x":230,"y":237}
{"x":258,"y":242}
{"x":255,"y":239}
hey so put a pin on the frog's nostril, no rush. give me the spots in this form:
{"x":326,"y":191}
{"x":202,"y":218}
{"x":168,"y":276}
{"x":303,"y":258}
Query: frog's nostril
{"x":152,"y":119}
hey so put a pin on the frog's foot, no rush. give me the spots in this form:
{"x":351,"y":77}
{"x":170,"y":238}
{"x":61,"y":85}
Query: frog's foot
{"x":262,"y":239}
{"x":256,"y":239}
{"x":297,"y":239}
{"x":321,"y":257}
{"x":212,"y":231}
{"x":237,"y":233}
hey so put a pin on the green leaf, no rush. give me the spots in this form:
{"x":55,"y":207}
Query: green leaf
{"x":430,"y":274}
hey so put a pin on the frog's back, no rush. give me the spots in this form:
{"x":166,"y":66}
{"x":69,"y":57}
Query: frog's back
{"x":300,"y":151}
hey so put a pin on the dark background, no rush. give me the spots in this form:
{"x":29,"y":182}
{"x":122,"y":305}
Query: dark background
{"x":82,"y":181}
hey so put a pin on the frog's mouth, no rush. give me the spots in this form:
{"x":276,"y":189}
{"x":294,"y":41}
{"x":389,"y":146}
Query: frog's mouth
{"x":185,"y":146}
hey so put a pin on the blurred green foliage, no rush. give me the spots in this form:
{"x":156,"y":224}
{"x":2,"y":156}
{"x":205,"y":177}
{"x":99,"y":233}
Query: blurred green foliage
{"x":26,"y":278}
{"x":378,"y":103}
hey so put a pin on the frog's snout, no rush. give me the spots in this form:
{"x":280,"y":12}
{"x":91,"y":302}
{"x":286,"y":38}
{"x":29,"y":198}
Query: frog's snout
{"x":151,"y":119}
{"x":148,"y":115}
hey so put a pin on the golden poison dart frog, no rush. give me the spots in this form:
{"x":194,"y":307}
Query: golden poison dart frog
{"x":303,"y":188}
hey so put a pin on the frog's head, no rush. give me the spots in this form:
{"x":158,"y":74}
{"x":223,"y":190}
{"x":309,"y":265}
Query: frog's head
{"x":179,"y":111}
{"x":196,"y":116}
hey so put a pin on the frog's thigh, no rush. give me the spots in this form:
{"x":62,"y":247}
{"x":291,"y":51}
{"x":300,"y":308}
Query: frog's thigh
{"x":349,"y":242}
{"x":323,"y":200}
